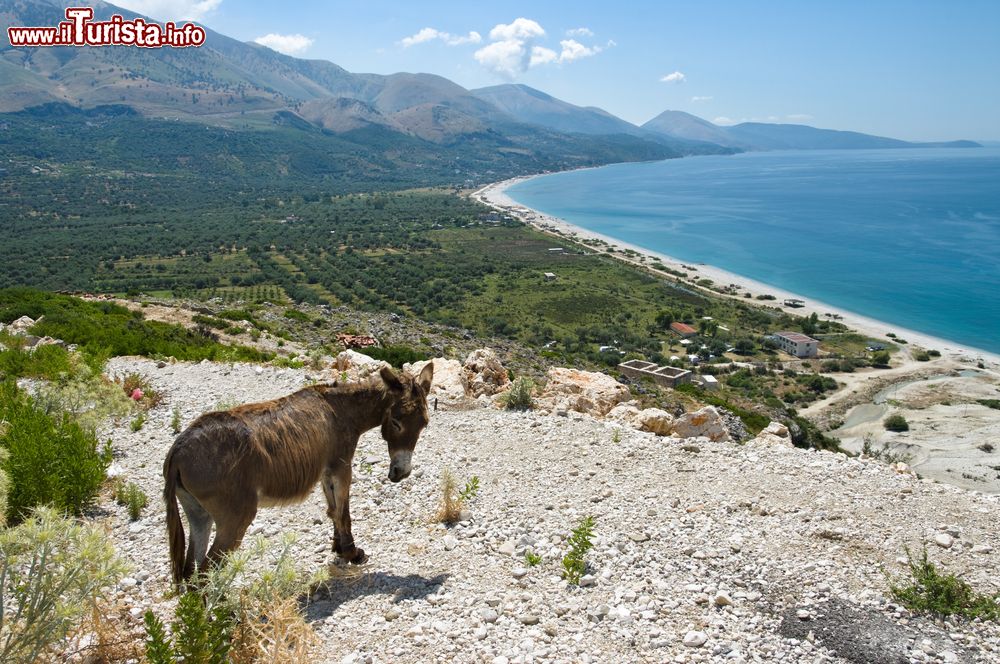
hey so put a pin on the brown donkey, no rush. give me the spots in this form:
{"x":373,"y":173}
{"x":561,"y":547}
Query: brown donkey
{"x":228,"y":463}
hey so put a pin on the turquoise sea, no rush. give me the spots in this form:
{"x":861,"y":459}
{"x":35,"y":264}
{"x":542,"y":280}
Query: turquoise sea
{"x":910,"y":237}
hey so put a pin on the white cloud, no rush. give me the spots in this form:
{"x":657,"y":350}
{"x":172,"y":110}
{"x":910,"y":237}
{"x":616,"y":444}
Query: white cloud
{"x":799,"y":117}
{"x":574,"y":50}
{"x":676,"y":77}
{"x":542,"y":56}
{"x":520,"y":29}
{"x":697,"y":99}
{"x":580,"y":32}
{"x":287,"y":44}
{"x":171,"y":10}
{"x":723,"y":120}
{"x":514,"y":48}
{"x":430,"y":34}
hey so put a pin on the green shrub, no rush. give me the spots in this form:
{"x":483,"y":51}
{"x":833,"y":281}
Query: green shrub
{"x":52,"y":569}
{"x":105,"y":329}
{"x":580,"y":542}
{"x":49,"y":361}
{"x":295,"y":314}
{"x":922,"y":356}
{"x":137,"y":423}
{"x":880,"y":358}
{"x":200,"y":636}
{"x":519,"y":396}
{"x":896,"y":422}
{"x":532,"y":558}
{"x":51,"y":459}
{"x":175,"y":420}
{"x":131,"y":496}
{"x":471,"y":489}
{"x":941,"y":594}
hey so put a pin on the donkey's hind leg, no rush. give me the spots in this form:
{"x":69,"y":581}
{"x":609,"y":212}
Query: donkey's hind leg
{"x":230,"y":527}
{"x":200,"y":525}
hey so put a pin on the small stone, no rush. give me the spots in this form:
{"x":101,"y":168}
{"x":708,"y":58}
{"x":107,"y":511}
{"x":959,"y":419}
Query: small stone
{"x":488,"y":615}
{"x":519,"y":572}
{"x":507,"y":548}
{"x":588,"y":580}
{"x":450,"y":542}
{"x":944,"y":540}
{"x":723,"y":599}
{"x":695,"y":639}
{"x":982,"y":548}
{"x":638,"y":537}
{"x":529,"y":619}
{"x":390,"y":615}
{"x":803,"y":614}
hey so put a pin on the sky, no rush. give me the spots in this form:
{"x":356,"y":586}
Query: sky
{"x":910,"y":69}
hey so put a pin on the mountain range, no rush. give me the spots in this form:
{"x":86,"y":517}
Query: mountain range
{"x":235,"y":85}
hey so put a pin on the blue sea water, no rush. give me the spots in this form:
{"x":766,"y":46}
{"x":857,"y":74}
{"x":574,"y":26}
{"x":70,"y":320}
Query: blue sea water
{"x":910,"y":237}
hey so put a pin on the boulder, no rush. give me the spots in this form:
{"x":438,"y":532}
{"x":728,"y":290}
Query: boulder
{"x":583,"y":391}
{"x":626,"y":413}
{"x":21,"y":325}
{"x":655,"y":420}
{"x":483,"y":374}
{"x":447,"y":383}
{"x":774,"y":433}
{"x":705,"y":422}
{"x":352,"y":366}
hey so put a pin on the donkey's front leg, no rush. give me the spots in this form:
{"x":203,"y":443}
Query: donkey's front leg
{"x":337,"y":487}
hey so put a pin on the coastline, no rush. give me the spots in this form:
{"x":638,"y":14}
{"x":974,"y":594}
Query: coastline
{"x":495,"y":195}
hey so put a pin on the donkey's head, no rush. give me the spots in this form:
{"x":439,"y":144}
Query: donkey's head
{"x":406,"y":417}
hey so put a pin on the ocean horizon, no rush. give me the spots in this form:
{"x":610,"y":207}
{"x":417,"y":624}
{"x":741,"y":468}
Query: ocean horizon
{"x":910,"y":237}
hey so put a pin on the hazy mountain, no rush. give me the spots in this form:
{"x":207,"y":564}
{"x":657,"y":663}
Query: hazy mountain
{"x":534,"y":106}
{"x":244,"y":85}
{"x":766,"y":136}
{"x":684,"y":125}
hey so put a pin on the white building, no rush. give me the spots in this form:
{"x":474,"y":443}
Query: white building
{"x":796,"y":343}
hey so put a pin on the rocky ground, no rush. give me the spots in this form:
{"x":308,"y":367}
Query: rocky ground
{"x":703,"y":551}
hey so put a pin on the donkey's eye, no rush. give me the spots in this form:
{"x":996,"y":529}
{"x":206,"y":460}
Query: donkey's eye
{"x":396,"y":424}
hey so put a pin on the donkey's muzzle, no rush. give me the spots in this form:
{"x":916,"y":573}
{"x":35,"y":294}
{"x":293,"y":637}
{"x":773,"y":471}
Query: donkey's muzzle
{"x":397,"y":474}
{"x":399,"y":466}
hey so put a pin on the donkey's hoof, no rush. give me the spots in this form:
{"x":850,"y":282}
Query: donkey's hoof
{"x":359,"y":557}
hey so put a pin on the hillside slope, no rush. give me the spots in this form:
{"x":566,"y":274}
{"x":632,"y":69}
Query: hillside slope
{"x":748,"y":552}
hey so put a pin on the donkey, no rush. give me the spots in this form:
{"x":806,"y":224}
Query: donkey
{"x":227,"y":464}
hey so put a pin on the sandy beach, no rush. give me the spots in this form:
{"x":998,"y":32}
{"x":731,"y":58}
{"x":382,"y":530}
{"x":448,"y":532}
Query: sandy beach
{"x":953,"y":436}
{"x":496,"y":196}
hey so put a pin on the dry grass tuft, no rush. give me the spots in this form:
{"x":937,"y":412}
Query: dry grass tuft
{"x":280,"y":635}
{"x":451,"y":505}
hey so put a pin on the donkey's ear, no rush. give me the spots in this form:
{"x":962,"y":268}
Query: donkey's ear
{"x":391,"y":379}
{"x":425,"y":377}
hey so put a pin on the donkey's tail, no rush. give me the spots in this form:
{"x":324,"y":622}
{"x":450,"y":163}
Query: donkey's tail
{"x":175,"y":528}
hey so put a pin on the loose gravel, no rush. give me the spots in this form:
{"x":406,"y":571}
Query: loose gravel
{"x":703,"y":552}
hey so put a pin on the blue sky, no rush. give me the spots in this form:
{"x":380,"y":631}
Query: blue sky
{"x":910,"y":69}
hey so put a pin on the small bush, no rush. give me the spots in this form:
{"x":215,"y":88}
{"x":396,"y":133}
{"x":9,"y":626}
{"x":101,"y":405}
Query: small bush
{"x":519,"y":396}
{"x":941,"y":594}
{"x":922,"y":356}
{"x":532,"y":558}
{"x":51,"y":570}
{"x":580,"y":542}
{"x":131,"y":496}
{"x":450,"y":508}
{"x":471,"y":489}
{"x":295,"y":314}
{"x":880,"y":358}
{"x":200,"y":635}
{"x":137,"y":423}
{"x":896,"y":422}
{"x":148,"y":397}
{"x":51,"y":459}
{"x":175,"y":420}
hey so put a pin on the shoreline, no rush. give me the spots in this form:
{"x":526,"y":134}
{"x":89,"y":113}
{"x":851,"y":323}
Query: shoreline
{"x":495,"y":195}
